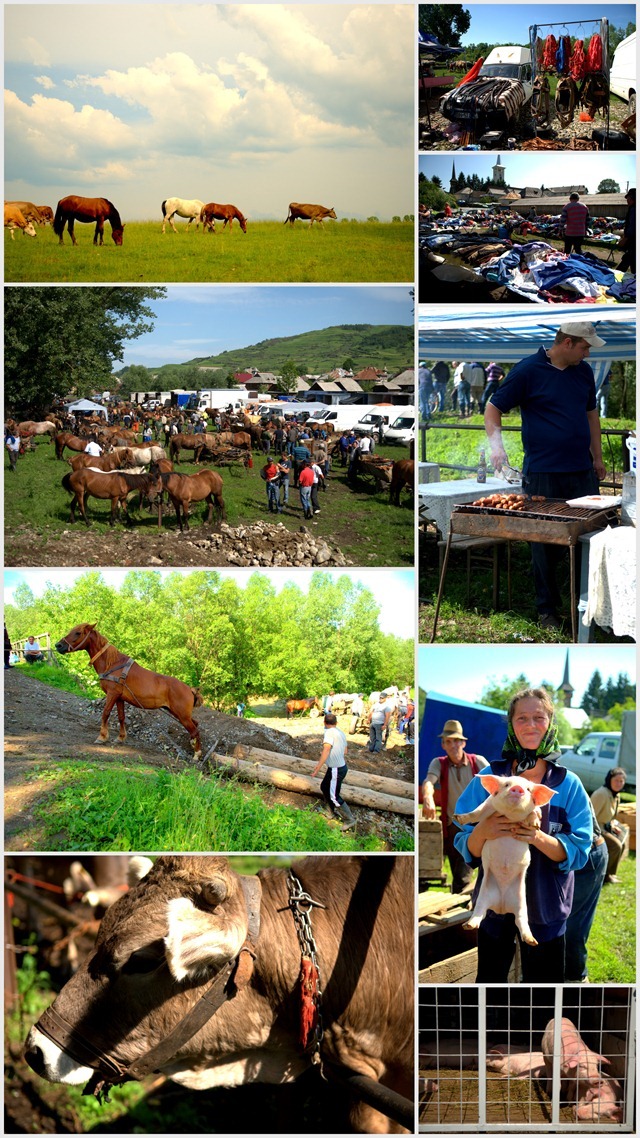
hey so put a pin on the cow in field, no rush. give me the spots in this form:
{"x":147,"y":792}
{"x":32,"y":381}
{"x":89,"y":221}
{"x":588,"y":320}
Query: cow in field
{"x":29,"y":211}
{"x":308,"y":213}
{"x":15,"y":219}
{"x":46,"y":213}
{"x":191,"y":927}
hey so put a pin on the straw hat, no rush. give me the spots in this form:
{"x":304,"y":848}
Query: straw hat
{"x":452,"y":730}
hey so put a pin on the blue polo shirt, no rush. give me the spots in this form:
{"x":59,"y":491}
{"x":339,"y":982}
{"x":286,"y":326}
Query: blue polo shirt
{"x":554,"y":405}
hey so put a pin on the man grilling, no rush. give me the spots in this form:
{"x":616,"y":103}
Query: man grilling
{"x":555,"y":391}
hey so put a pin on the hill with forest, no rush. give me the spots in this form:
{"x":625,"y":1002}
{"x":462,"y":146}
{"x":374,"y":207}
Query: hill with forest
{"x":387,"y":346}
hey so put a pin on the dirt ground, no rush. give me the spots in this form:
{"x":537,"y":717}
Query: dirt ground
{"x":513,"y":1101}
{"x":43,"y":723}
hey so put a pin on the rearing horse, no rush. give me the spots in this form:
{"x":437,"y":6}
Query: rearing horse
{"x":124,"y":681}
{"x":73,"y":208}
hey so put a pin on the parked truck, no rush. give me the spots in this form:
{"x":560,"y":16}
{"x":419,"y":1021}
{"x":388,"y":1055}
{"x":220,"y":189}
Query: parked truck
{"x":216,"y":398}
{"x":497,"y":97}
{"x":599,"y":751}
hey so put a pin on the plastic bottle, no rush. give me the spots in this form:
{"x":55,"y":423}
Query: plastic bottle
{"x":482,"y":467}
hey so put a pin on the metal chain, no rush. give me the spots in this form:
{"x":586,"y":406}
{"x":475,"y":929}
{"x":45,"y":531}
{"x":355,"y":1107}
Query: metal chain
{"x":301,"y":904}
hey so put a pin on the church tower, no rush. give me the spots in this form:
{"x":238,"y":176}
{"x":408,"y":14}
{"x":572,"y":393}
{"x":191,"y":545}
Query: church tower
{"x":453,"y":178}
{"x":497,"y":173}
{"x":565,"y":687}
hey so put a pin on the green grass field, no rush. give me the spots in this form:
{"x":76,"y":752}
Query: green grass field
{"x":269,"y":251}
{"x":367,"y":529}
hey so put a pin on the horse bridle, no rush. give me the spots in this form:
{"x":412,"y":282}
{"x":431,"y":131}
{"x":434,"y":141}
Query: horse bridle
{"x":77,"y":647}
{"x":230,"y":979}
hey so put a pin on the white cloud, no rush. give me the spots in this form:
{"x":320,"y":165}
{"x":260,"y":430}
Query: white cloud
{"x":45,"y":81}
{"x":30,"y":50}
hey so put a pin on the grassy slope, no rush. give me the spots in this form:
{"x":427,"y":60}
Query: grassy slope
{"x":346,"y":251}
{"x":368,"y":530}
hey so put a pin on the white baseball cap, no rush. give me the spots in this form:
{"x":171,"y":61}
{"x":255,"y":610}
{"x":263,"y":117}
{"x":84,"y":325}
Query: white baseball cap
{"x":584,"y":331}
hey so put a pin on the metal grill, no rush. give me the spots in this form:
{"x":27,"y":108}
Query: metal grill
{"x":553,"y":508}
{"x":552,"y":521}
{"x":482,"y":1068}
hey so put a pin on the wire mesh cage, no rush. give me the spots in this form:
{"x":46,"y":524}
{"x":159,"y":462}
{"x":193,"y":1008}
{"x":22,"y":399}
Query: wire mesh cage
{"x":557,"y":1058}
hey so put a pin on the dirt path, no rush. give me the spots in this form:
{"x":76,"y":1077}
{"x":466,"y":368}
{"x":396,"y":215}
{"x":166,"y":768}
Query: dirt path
{"x":43,"y":724}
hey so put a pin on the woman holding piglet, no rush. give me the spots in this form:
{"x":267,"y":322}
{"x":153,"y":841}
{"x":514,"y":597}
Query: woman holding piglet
{"x":555,"y":833}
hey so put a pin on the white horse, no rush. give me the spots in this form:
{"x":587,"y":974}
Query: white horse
{"x":146,"y":455}
{"x":183,"y":208}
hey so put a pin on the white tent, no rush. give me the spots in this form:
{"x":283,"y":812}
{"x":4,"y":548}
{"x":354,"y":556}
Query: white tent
{"x":86,"y":405}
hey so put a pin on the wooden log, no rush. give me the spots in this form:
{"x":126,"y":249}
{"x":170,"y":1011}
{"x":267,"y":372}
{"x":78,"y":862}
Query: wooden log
{"x":395,"y":786}
{"x":304,"y":784}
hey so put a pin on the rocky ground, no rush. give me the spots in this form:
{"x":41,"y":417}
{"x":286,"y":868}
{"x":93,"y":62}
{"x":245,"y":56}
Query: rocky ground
{"x":44,"y":724}
{"x":260,"y":544}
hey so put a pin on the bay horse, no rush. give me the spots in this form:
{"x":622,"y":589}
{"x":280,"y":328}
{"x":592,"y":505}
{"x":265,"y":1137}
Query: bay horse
{"x":116,"y":460}
{"x":402,"y":474}
{"x":185,"y":442}
{"x":235,"y":439}
{"x":294,"y":705}
{"x":183,"y":489}
{"x":68,"y":439}
{"x":116,"y":486}
{"x":73,"y":208}
{"x":183,"y":207}
{"x":226,"y":213}
{"x":124,"y":681}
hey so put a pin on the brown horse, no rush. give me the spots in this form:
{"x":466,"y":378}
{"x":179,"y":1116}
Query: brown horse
{"x":116,"y":485}
{"x":402,"y":474}
{"x":213,"y":212}
{"x":185,"y":442}
{"x":68,"y":439}
{"x":73,"y":208}
{"x":116,"y":460}
{"x":124,"y":681}
{"x":42,"y":427}
{"x":294,"y":705}
{"x":186,"y":488}
{"x":235,"y":439}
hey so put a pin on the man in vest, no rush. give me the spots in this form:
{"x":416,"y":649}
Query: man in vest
{"x":574,"y":219}
{"x":452,"y":772}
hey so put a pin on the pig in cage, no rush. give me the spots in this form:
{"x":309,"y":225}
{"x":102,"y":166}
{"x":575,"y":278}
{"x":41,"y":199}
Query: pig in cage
{"x":558,"y":1058}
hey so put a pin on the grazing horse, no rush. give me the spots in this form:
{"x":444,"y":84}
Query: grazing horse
{"x":116,"y":485}
{"x":86,"y":210}
{"x":186,"y":488}
{"x":183,"y":208}
{"x":402,"y":474}
{"x":294,"y":705}
{"x":226,"y":213}
{"x":124,"y":681}
{"x":68,"y":439}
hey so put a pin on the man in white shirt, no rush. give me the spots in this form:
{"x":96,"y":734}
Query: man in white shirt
{"x":334,"y":752}
{"x":93,"y":447}
{"x":32,"y":651}
{"x":379,"y":717}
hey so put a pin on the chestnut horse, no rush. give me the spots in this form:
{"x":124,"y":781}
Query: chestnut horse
{"x":186,"y":488}
{"x":117,"y":460}
{"x":86,"y":210}
{"x":402,"y":474}
{"x":226,"y":213}
{"x":185,"y":442}
{"x":68,"y":439}
{"x":294,"y":705}
{"x":116,"y":485}
{"x":124,"y":681}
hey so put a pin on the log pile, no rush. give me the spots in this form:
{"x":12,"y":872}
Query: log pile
{"x":288,"y":772}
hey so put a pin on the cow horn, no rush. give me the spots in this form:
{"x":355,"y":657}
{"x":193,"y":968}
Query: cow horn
{"x":214,"y":892}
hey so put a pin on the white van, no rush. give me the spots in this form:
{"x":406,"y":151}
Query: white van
{"x":623,"y":72}
{"x":379,"y":415}
{"x":402,"y":429}
{"x":341,"y":416}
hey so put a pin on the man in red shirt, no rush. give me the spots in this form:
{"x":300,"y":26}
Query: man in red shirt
{"x":272,"y":478}
{"x":305,"y":482}
{"x":574,"y":219}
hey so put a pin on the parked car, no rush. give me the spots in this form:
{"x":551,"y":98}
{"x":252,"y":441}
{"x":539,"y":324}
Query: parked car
{"x":599,"y":751}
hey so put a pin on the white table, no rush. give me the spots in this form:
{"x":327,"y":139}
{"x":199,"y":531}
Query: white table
{"x":608,"y":582}
{"x":437,"y":500}
{"x":428,"y":472}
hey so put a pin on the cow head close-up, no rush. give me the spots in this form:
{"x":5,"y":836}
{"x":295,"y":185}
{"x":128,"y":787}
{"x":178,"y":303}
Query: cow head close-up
{"x":182,"y":920}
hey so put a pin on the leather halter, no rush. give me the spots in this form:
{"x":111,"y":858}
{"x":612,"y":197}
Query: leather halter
{"x":231,"y":978}
{"x":77,"y":647}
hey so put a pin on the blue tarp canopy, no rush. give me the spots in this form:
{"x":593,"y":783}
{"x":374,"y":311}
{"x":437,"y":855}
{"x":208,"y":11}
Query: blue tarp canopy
{"x":507,"y":335}
{"x":431,"y":44}
{"x":485,"y":728}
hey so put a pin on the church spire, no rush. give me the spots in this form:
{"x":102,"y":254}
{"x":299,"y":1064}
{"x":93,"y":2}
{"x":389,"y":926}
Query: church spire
{"x":565,"y":687}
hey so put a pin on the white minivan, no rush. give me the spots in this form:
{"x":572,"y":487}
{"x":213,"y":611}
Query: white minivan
{"x":402,"y":429}
{"x":623,"y":71}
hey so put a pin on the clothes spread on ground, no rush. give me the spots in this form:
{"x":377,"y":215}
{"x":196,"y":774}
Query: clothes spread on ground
{"x":483,"y":97}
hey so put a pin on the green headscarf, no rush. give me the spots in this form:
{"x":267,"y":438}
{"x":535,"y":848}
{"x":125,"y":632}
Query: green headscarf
{"x":525,"y":759}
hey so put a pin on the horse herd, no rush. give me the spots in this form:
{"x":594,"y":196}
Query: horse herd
{"x":25,"y":216}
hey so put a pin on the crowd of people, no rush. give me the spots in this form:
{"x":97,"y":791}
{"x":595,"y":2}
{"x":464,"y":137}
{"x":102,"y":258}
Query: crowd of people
{"x":574,"y":852}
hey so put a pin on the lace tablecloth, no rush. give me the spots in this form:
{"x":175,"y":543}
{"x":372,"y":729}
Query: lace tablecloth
{"x":612,"y":581}
{"x":436,"y":500}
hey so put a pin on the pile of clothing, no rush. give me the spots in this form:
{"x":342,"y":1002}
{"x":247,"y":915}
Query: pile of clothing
{"x":543,"y":275}
{"x":483,"y":97}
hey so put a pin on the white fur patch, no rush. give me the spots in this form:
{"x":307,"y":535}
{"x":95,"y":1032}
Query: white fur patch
{"x":197,"y":941}
{"x":139,"y":867}
{"x":58,"y":1066}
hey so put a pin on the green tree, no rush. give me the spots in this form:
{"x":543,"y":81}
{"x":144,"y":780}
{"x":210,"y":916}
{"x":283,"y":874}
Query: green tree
{"x":448,"y":22}
{"x":608,"y":186}
{"x":396,"y":217}
{"x":288,"y":379}
{"x":437,"y":181}
{"x":64,"y":340}
{"x":136,"y":377}
{"x":592,"y":700}
{"x":349,"y":364}
{"x":373,"y":218}
{"x":612,"y":721}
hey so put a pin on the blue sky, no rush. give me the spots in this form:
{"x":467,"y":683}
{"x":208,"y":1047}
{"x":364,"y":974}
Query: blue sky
{"x":465,"y":670}
{"x":201,"y":321}
{"x":509,"y":23}
{"x":393,"y":589}
{"x":557,"y":169}
{"x":255,"y":104}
